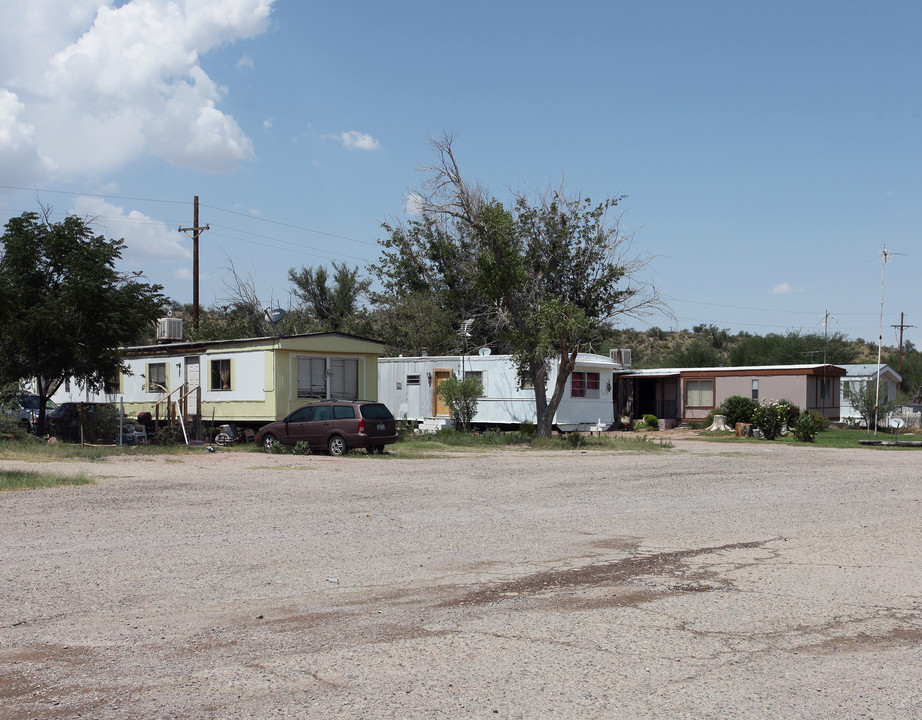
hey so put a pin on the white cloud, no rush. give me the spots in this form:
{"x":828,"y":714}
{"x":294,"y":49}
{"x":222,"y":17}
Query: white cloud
{"x":267,"y":123}
{"x":17,"y":141}
{"x":412,"y":204}
{"x":354,"y":140}
{"x":88,"y":86}
{"x":150,"y":245}
{"x":784,"y":289}
{"x":245,"y":63}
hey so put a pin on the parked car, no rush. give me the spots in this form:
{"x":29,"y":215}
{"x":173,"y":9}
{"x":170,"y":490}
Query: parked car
{"x":334,"y":426}
{"x":25,"y":408}
{"x":98,"y":420}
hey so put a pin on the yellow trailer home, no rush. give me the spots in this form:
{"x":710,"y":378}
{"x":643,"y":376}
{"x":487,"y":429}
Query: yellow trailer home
{"x":247,"y":382}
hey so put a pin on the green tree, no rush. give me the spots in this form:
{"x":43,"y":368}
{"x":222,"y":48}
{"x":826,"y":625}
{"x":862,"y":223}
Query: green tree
{"x":336,"y":305}
{"x":425,"y":272}
{"x":863,"y":396}
{"x":909,"y":367}
{"x":64,"y":309}
{"x":551,"y":270}
{"x":793,"y":348}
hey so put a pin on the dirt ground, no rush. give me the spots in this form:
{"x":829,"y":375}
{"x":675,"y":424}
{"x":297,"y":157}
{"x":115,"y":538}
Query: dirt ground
{"x":709,"y":581}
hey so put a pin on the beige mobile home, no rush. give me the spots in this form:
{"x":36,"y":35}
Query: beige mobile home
{"x":247,"y":382}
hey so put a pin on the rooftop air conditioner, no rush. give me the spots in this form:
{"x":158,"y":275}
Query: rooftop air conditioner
{"x":622,"y":356}
{"x":169,"y":329}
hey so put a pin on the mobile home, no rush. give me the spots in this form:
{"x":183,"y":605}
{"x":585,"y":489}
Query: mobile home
{"x":247,"y":382}
{"x":407,"y":385}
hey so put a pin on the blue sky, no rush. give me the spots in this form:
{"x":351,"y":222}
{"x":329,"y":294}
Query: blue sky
{"x":768,"y":151}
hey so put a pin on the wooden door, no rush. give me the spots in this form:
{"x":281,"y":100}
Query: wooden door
{"x":441,"y":409}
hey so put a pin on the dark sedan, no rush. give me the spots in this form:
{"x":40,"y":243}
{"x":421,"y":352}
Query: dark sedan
{"x":334,"y":426}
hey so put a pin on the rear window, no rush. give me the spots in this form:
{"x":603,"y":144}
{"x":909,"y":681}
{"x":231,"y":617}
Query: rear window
{"x":375,"y":412}
{"x":341,"y":412}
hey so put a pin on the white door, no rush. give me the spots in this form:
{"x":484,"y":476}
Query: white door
{"x":193,"y":404}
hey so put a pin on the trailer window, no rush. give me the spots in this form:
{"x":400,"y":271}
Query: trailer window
{"x":221,"y":374}
{"x":412,"y":380}
{"x":584,"y":384}
{"x":699,"y":393}
{"x":312,"y":380}
{"x":156,"y":378}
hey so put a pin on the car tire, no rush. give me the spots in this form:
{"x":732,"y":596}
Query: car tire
{"x":378,"y":449}
{"x":336,"y":446}
{"x":269,"y":442}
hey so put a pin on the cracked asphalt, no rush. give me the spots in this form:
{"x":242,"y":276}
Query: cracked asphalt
{"x":710,"y":581}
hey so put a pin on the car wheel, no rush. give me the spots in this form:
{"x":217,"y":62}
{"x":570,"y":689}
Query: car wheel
{"x":269,"y":442}
{"x":336,"y":446}
{"x":379,"y":449}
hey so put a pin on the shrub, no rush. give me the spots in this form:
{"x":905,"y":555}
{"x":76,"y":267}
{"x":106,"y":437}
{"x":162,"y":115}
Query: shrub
{"x":738,"y":409}
{"x":791,"y":412}
{"x":769,"y":419}
{"x":640,"y":425}
{"x":299,"y":448}
{"x":806,"y":427}
{"x":651,"y":421}
{"x":461,"y":396}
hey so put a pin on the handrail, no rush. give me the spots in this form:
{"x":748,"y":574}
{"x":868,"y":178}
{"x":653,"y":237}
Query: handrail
{"x":181,"y":402}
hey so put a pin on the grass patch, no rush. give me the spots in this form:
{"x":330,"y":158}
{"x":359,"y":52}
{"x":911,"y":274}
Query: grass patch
{"x":454,"y":441}
{"x":831,"y":438}
{"x":22,"y":479}
{"x":31,"y":449}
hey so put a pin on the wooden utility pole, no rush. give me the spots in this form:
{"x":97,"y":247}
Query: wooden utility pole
{"x":195,"y":231}
{"x":900,"y":370}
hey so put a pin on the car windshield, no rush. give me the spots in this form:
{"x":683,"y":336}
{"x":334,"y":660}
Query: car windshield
{"x":30,"y":402}
{"x":376,"y":412}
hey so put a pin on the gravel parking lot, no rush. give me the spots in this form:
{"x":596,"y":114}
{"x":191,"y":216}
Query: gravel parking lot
{"x":709,"y":581}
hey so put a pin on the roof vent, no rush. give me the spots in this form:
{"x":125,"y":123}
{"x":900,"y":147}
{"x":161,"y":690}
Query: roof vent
{"x":169,"y":329}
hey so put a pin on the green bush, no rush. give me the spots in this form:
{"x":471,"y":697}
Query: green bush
{"x":299,"y":448}
{"x":772,"y":416}
{"x":807,"y":426}
{"x":738,"y":409}
{"x":461,"y":396}
{"x":640,"y":425}
{"x":651,"y":421}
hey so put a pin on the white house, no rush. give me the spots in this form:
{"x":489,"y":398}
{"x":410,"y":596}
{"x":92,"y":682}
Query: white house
{"x":858,"y":375}
{"x":407,"y":385}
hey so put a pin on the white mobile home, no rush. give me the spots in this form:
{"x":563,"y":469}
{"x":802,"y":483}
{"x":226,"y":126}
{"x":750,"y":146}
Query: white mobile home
{"x":407,"y":385}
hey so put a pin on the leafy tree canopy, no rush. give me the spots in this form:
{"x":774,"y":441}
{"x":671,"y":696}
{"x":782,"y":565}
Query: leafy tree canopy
{"x":793,"y":348}
{"x":542,"y":277}
{"x":335,"y":306}
{"x":64,"y":309}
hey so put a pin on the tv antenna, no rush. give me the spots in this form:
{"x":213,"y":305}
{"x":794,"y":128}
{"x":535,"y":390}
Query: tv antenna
{"x":885,"y":254}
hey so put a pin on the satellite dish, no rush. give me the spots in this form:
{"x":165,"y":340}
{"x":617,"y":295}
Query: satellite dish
{"x":896,"y":423}
{"x":274,"y":315}
{"x":484,"y":351}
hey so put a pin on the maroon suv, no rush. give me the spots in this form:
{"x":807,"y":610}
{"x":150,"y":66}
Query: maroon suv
{"x":334,"y":426}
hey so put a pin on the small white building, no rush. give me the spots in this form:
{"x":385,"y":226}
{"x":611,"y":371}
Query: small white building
{"x":858,"y":375}
{"x":407,"y":385}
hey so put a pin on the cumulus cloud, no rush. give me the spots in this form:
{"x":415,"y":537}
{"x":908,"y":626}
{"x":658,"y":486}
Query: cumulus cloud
{"x":149,"y":244}
{"x":245,"y":63}
{"x":413,"y":204}
{"x":354,"y":140}
{"x":784,"y":289}
{"x":88,"y":86}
